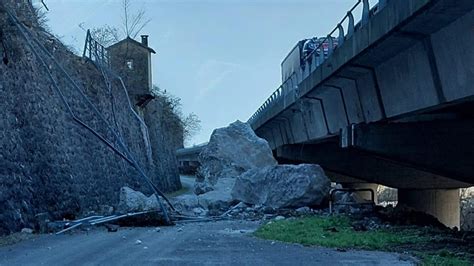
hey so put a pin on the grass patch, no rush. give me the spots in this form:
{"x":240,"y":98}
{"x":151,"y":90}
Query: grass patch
{"x":334,"y":231}
{"x":337,"y":232}
{"x":442,"y":258}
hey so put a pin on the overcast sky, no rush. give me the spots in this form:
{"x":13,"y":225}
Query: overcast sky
{"x":222,"y":58}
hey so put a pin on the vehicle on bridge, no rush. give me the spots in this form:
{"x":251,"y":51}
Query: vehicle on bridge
{"x":303,"y":51}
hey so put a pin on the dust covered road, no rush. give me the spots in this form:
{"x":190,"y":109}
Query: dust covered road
{"x":217,"y":243}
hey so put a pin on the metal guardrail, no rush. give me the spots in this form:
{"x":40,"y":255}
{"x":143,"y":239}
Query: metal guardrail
{"x":95,"y":51}
{"x":332,"y":202}
{"x":317,"y":56}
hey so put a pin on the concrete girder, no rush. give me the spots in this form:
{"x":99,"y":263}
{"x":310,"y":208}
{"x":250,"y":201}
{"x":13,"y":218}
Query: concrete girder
{"x":406,"y":82}
{"x":276,"y":132}
{"x":351,"y":98}
{"x":368,"y":93}
{"x":365,"y":166}
{"x":333,"y":107}
{"x":455,"y":59}
{"x":298,"y":123}
{"x":440,"y":146}
{"x":315,"y":118}
{"x":286,"y":128}
{"x":266,"y":132}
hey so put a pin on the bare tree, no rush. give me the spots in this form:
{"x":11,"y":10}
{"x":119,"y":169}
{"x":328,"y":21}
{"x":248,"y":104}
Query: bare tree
{"x":133,"y":21}
{"x":106,"y":35}
{"x":191,"y":126}
{"x":41,"y":15}
{"x":179,"y":124}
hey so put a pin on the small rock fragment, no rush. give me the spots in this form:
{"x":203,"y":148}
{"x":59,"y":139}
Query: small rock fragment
{"x":138,"y":242}
{"x":279,"y":218}
{"x":111,"y":227}
{"x":303,"y":210}
{"x":27,"y":231}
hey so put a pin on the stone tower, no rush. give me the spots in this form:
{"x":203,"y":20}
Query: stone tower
{"x":132,"y":61}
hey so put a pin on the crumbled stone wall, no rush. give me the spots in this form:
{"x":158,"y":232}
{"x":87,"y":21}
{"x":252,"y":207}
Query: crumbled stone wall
{"x":50,"y":164}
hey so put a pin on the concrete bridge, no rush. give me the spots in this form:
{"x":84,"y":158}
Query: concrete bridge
{"x":391,"y":104}
{"x":188,"y":158}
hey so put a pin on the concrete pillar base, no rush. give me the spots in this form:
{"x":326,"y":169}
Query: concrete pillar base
{"x":365,"y":195}
{"x":443,"y":204}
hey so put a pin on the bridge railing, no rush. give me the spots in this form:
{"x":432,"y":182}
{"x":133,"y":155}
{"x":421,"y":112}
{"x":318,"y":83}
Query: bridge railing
{"x":317,"y":57}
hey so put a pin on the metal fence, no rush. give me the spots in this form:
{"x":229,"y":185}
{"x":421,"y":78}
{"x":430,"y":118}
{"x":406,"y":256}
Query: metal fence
{"x":95,"y":51}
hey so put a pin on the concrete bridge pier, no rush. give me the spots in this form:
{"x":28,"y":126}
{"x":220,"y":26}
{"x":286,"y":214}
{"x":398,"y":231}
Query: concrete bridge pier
{"x":443,"y":204}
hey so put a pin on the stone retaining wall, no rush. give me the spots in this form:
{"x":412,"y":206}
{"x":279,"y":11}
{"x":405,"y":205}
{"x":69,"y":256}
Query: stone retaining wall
{"x":50,"y":164}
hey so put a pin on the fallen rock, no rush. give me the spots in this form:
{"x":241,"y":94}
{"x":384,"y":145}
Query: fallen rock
{"x":106,"y":210}
{"x":283,"y":186}
{"x":279,"y":218}
{"x":27,"y":231}
{"x":42,"y":221}
{"x":199,"y":211}
{"x":111,"y":227}
{"x":303,"y":210}
{"x":135,"y":201}
{"x":186,"y":203}
{"x":214,"y":202}
{"x":201,"y":186}
{"x":231,"y":151}
{"x":219,"y":200}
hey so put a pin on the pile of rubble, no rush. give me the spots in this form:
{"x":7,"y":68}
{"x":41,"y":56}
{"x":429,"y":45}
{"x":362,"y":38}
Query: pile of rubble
{"x":239,"y":177}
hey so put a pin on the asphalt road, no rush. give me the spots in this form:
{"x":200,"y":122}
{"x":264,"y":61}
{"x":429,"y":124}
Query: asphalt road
{"x":216,"y":243}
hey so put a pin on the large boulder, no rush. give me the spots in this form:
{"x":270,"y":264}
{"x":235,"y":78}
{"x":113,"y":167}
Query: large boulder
{"x":135,"y":201}
{"x":233,"y":150}
{"x":283,"y":186}
{"x":215,"y":202}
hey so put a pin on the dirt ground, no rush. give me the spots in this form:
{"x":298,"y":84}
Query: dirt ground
{"x":215,"y":243}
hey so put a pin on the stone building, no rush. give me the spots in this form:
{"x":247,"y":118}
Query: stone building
{"x":132,"y":61}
